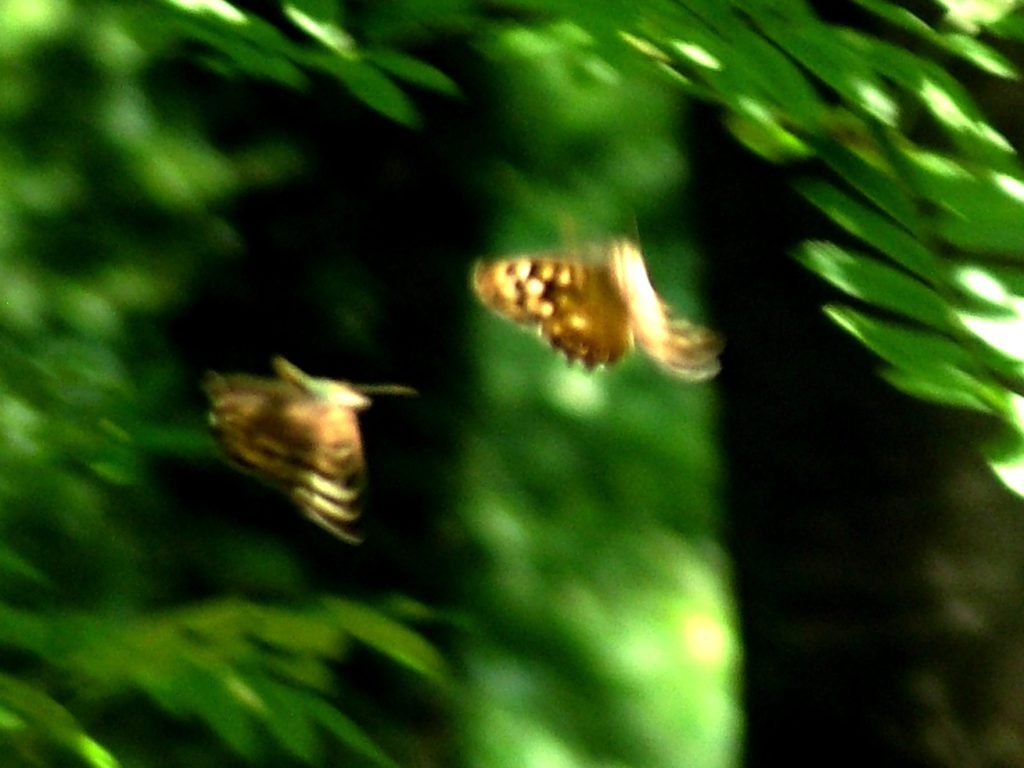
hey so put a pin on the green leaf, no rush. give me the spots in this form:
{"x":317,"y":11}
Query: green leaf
{"x":923,"y":364}
{"x":747,"y":73}
{"x":1006,"y":456}
{"x":1010,"y":27}
{"x":767,"y":138}
{"x":23,"y":629}
{"x":990,"y":287}
{"x":259,"y":52}
{"x":898,"y":16}
{"x":965,"y":46}
{"x":940,"y":94}
{"x":14,"y":565}
{"x":94,"y":753}
{"x":216,"y":695}
{"x":1007,"y":461}
{"x":347,"y":732}
{"x":718,"y":16}
{"x":826,"y":54}
{"x":952,"y":107}
{"x":220,"y":10}
{"x":871,"y":179}
{"x":954,"y":388}
{"x":288,"y":718}
{"x":779,"y":82}
{"x":871,"y":227}
{"x":295,"y":631}
{"x":980,"y":209}
{"x":372,"y":87}
{"x":319,"y":20}
{"x":388,"y":636}
{"x":872,"y":281}
{"x":413,"y":71}
{"x":328,"y":11}
{"x":982,"y":56}
{"x":977,"y":13}
{"x":27,"y":707}
{"x":905,"y":348}
{"x":1003,"y":331}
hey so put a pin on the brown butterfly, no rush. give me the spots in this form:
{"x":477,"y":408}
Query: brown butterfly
{"x":300,"y":434}
{"x":594,"y":304}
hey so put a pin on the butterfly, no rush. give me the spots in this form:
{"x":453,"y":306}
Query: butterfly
{"x":300,"y":434}
{"x":594,"y":304}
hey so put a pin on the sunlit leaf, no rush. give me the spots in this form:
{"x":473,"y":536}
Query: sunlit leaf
{"x":818,"y":48}
{"x":981,"y":210}
{"x":326,"y":11}
{"x":93,"y":753}
{"x":972,"y":14}
{"x":1006,"y":455}
{"x":903,"y":347}
{"x":28,"y":707}
{"x":983,"y":56}
{"x":947,"y":387}
{"x":965,"y":46}
{"x":872,"y":227}
{"x":767,"y":138}
{"x":220,"y":9}
{"x":779,"y":77}
{"x":319,"y":21}
{"x":897,"y":15}
{"x":875,"y":283}
{"x":1002,"y":331}
{"x":996,"y":289}
{"x":945,"y":98}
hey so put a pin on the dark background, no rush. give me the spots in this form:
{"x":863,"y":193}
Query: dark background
{"x":794,"y":562}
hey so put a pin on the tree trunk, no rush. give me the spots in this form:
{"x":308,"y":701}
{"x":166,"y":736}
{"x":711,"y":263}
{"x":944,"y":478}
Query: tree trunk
{"x":878,"y":560}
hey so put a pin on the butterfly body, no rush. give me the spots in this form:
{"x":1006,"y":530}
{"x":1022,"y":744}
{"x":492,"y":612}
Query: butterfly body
{"x":298,"y":433}
{"x":594,"y":304}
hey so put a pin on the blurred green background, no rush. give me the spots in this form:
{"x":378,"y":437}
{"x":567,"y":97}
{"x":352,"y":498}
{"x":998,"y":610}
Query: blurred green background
{"x":794,"y":563}
{"x":542,"y":583}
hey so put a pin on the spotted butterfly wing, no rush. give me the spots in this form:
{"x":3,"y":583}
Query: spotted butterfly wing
{"x":298,"y":433}
{"x":594,"y":304}
{"x":572,"y":299}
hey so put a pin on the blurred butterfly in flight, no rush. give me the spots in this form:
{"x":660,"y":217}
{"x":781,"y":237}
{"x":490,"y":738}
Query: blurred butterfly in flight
{"x":301,"y":435}
{"x":593,"y":304}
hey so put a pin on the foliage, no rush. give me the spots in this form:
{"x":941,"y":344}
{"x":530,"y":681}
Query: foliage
{"x":230,"y":663}
{"x":111,"y":224}
{"x":931,"y":189}
{"x":924,"y":182}
{"x":110,"y":209}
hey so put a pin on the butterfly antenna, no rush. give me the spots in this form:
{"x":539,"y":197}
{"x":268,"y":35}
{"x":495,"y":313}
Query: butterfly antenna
{"x":386,"y":389}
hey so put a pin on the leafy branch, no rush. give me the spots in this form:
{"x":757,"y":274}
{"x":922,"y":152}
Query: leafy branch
{"x":945,"y":319}
{"x":248,"y":671}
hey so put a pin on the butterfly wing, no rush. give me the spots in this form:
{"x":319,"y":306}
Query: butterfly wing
{"x":574,"y":302}
{"x":680,"y":347}
{"x":329,"y":490}
{"x":309,"y":447}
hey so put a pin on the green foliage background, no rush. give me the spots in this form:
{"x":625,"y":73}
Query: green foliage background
{"x":201,"y":184}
